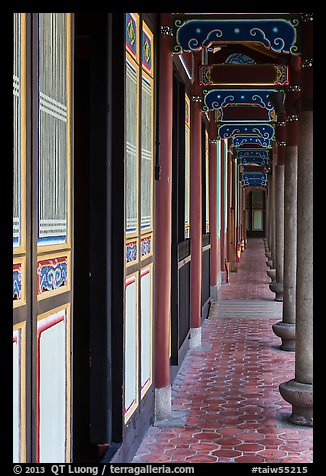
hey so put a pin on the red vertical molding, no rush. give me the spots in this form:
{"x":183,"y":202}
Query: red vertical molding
{"x":213,"y":202}
{"x":229,"y":204}
{"x":226,"y":205}
{"x":222,"y":233}
{"x":244,"y":222}
{"x":232,"y":224}
{"x":195,"y":203}
{"x":163,"y":218}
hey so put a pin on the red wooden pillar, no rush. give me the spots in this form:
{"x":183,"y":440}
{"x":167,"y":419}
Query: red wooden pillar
{"x":163,"y":227}
{"x":195,"y":213}
{"x":232,"y":224}
{"x":222,"y":234}
{"x":213,"y":208}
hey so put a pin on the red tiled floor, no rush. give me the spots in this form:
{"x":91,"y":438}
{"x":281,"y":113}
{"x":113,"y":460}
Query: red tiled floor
{"x":235,"y":411}
{"x":251,"y":280}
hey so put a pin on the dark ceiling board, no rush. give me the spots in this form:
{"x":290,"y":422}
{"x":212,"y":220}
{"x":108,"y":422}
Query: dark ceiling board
{"x":244,"y":75}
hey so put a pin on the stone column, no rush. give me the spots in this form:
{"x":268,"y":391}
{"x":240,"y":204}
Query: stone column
{"x":266,"y":242}
{"x":164,"y":229}
{"x":273,"y":266}
{"x":272,"y":260}
{"x":244,"y":222}
{"x":299,"y":391}
{"x":277,"y":285}
{"x":273,"y":247}
{"x":195,"y":213}
{"x":285,"y":329}
{"x":269,"y":212}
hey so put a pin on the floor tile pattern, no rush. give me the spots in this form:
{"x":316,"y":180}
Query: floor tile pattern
{"x":235,"y":411}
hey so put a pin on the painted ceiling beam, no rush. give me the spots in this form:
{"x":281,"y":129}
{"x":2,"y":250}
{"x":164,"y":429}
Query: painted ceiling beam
{"x":252,"y":161}
{"x":252,"y":156}
{"x":254,"y":176}
{"x":266,"y":131}
{"x":213,"y":99}
{"x":254,"y":179}
{"x":229,"y":74}
{"x":232,"y":15}
{"x":248,"y":134}
{"x":249,"y":154}
{"x":238,"y":141}
{"x":277,"y":34}
{"x":253,"y":185}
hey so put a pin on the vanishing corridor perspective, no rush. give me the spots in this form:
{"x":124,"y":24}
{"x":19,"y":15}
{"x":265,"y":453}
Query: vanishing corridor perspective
{"x":162,"y":237}
{"x":235,"y":412}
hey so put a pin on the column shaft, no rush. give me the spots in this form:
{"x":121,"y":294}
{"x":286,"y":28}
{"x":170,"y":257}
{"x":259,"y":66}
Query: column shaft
{"x":274,"y":214}
{"x":163,"y":233}
{"x":272,"y":260}
{"x":195,"y":225}
{"x":267,"y":220}
{"x":286,"y":328}
{"x":277,"y":286}
{"x":304,"y":288}
{"x":299,"y":391}
{"x":213,"y":217}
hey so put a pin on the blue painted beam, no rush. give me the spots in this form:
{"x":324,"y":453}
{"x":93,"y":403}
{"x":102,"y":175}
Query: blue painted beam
{"x":219,"y":98}
{"x":279,"y":35}
{"x":252,"y":153}
{"x":261,"y":130}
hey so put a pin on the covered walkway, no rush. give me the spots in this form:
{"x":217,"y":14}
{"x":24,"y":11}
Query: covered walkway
{"x":235,"y":413}
{"x":162,"y":272}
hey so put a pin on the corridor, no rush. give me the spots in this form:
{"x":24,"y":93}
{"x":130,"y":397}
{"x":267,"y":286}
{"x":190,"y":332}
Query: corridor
{"x":147,"y":149}
{"x":235,"y":412}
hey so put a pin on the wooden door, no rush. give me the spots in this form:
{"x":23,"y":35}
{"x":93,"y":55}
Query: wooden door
{"x":42,"y":237}
{"x":139,"y":217}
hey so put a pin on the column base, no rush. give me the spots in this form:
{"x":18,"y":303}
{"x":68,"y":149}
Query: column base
{"x":300,"y":395}
{"x":272,"y":273}
{"x":277,"y":288}
{"x":214,"y":291}
{"x":162,"y":404}
{"x":270,"y":263}
{"x":286,"y":332}
{"x":223,"y":277}
{"x":195,"y":338}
